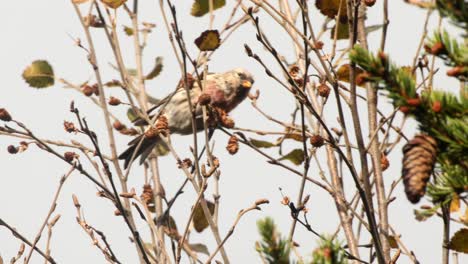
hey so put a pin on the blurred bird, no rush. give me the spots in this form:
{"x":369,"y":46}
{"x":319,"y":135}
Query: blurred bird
{"x":223,"y":90}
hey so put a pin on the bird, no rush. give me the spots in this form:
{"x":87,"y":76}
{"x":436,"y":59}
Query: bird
{"x":225,"y":91}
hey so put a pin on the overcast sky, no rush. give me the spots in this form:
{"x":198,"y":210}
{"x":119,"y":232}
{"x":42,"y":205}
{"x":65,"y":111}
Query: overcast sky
{"x":44,"y":30}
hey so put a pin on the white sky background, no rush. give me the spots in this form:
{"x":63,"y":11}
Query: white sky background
{"x":41,"y":30}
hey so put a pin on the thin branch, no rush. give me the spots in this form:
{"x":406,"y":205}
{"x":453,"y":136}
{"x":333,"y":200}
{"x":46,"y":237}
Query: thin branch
{"x":231,"y":231}
{"x":49,"y":213}
{"x":26,"y":241}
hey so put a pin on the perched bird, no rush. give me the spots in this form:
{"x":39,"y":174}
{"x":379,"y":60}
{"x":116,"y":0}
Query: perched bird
{"x":223,"y":90}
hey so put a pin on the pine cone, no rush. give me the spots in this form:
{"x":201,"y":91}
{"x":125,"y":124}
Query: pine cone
{"x":419,"y":157}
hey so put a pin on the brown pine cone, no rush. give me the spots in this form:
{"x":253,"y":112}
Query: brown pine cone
{"x":419,"y":157}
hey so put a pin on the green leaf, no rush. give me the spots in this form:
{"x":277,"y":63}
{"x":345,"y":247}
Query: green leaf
{"x":343,"y":31}
{"x":200,"y":248}
{"x":39,"y":74}
{"x":199,"y":219}
{"x":261,"y":143}
{"x":459,"y":241}
{"x":423,"y":215}
{"x":329,"y":251}
{"x":208,"y":40}
{"x":128,"y":30}
{"x":132,"y":72}
{"x":330,"y":9}
{"x":296,"y":156}
{"x":272,"y":247}
{"x":202,"y":7}
{"x":373,"y":28}
{"x":132,"y":116}
{"x":158,"y":66}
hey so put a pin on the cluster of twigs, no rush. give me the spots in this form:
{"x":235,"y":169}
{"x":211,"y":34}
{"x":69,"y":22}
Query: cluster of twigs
{"x":316,"y":71}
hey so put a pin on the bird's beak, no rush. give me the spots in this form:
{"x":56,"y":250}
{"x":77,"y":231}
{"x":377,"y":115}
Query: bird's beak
{"x":246,"y":84}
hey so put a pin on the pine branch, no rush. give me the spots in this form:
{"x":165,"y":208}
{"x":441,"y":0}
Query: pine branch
{"x":272,"y":248}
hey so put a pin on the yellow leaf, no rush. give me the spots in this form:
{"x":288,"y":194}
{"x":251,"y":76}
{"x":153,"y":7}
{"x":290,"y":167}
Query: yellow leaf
{"x":295,"y":136}
{"x":330,"y":9}
{"x":392,"y":241}
{"x":455,"y":204}
{"x":114,"y":3}
{"x":343,"y":72}
{"x":208,"y":41}
{"x":426,"y":4}
{"x":39,"y":74}
{"x":202,"y":7}
{"x":409,"y":71}
{"x":79,"y":1}
{"x":464,"y":218}
{"x":199,"y":219}
{"x":459,"y":241}
{"x":128,"y":30}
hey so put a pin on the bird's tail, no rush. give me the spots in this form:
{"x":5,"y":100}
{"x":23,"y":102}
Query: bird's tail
{"x":142,"y":147}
